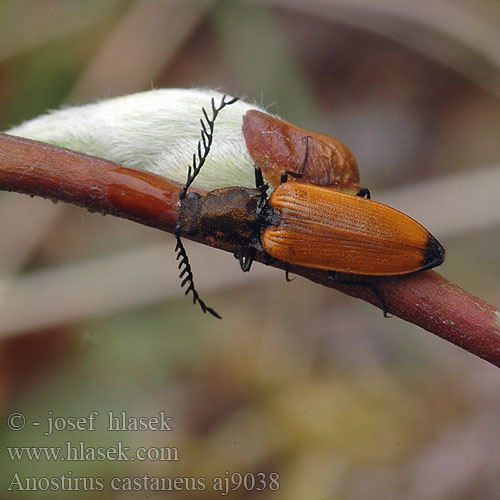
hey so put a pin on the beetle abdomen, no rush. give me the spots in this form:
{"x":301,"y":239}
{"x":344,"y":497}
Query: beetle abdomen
{"x":327,"y":229}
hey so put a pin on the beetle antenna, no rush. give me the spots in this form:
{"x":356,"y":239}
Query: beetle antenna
{"x":205,"y":142}
{"x":185,"y":268}
{"x":199,"y":158}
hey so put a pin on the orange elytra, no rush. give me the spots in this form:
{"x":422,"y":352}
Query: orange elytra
{"x":327,"y":229}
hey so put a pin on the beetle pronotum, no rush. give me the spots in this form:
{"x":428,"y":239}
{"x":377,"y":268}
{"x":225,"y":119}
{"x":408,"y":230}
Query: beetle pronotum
{"x":301,"y":224}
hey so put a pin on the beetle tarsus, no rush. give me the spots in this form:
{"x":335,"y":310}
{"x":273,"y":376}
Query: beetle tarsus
{"x":364,"y":192}
{"x":333,"y":276}
{"x":246,"y":261}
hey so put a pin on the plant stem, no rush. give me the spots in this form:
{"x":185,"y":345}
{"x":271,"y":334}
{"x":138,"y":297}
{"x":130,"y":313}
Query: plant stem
{"x":425,"y":299}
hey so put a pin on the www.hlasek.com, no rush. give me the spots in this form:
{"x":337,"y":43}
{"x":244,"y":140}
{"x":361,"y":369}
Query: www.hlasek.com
{"x":80,"y":452}
{"x":230,"y":481}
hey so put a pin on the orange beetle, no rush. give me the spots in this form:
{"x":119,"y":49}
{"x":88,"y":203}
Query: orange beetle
{"x":303,"y":224}
{"x":311,"y":226}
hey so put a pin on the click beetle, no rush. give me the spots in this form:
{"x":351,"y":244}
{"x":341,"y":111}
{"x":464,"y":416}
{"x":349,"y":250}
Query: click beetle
{"x":301,"y":224}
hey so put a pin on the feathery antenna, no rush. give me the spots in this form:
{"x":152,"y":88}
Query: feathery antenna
{"x":204,"y":144}
{"x":199,"y":158}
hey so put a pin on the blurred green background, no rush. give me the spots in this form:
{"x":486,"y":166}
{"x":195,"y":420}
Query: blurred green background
{"x":296,"y":379}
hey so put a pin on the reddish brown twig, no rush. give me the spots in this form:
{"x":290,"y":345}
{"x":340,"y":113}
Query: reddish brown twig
{"x":425,"y":299}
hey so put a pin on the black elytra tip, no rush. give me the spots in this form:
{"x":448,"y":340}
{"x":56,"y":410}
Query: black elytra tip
{"x":434,"y":254}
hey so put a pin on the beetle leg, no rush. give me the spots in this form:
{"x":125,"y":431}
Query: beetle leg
{"x":364,"y":192}
{"x":245,"y":260}
{"x":332,"y":276}
{"x":287,"y":271}
{"x":260,"y":184}
{"x":259,"y":180}
{"x":300,"y":173}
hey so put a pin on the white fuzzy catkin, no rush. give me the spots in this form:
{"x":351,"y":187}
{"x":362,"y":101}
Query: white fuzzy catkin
{"x":156,"y":131}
